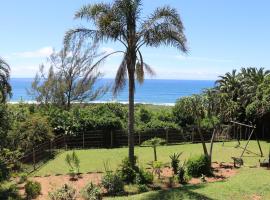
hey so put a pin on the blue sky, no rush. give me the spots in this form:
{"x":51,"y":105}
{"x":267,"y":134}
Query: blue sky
{"x":222,"y":35}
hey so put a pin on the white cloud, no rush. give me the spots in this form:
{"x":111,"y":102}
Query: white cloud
{"x":43,"y":52}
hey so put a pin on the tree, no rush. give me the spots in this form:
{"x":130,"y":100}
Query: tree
{"x":5,"y":87}
{"x":71,"y":77}
{"x":154,"y":142}
{"x":120,"y":21}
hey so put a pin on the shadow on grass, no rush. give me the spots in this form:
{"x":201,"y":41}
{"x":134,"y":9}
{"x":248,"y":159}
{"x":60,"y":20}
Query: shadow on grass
{"x":185,"y":192}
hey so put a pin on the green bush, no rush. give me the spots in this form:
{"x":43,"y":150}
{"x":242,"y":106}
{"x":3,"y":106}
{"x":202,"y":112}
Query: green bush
{"x":92,"y":192}
{"x":144,"y":177}
{"x":4,"y":171}
{"x":74,"y":164}
{"x":127,"y":172}
{"x":32,"y":189}
{"x":66,"y":192}
{"x":143,"y":188}
{"x":23,"y":178}
{"x":181,"y":175}
{"x":175,"y":162}
{"x":198,"y":165}
{"x":9,"y":193}
{"x":113,"y":183}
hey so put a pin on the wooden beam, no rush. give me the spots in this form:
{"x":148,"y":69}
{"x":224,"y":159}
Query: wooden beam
{"x":243,"y":124}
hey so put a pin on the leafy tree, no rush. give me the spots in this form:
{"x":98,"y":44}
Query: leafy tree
{"x":32,"y":131}
{"x":120,"y":21}
{"x":71,"y":77}
{"x":5,"y":125}
{"x":5,"y":87}
{"x":181,"y":112}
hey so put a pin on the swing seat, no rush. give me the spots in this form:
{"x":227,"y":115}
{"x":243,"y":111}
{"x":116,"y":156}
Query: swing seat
{"x":237,"y":162}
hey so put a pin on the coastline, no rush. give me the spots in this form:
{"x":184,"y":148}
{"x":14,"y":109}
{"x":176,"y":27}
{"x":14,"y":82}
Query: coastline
{"x":99,"y":102}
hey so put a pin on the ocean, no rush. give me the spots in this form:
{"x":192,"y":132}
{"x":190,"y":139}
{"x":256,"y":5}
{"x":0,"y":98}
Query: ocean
{"x":152,"y":91}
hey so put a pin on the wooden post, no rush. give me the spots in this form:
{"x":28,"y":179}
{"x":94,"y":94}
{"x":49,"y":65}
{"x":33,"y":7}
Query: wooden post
{"x":65,"y":142}
{"x":111,"y":139}
{"x":83,"y":140}
{"x":167,"y":136}
{"x":139,"y":135}
{"x":34,"y":159}
{"x":51,"y":146}
{"x":247,"y":143}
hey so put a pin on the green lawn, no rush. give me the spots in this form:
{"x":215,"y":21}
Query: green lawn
{"x":248,"y":184}
{"x":93,"y":160}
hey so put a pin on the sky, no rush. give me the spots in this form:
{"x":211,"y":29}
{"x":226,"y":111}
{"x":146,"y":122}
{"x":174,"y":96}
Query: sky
{"x":222,"y":35}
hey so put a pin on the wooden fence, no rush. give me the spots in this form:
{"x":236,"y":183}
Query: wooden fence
{"x":37,"y":156}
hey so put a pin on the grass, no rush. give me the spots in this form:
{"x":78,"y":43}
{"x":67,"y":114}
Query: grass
{"x":93,"y":160}
{"x":249,"y":183}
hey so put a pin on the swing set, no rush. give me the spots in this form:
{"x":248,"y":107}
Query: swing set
{"x":243,"y":131}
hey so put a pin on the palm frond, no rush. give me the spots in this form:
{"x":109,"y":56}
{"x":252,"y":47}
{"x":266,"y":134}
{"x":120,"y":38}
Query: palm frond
{"x":121,"y":77}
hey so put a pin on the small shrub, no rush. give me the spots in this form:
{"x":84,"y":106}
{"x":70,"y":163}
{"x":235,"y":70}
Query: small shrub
{"x":74,"y":164}
{"x":144,"y":177}
{"x":113,"y":183}
{"x":157,"y":167}
{"x":32,"y":189}
{"x":128,"y":174}
{"x":198,"y":165}
{"x":92,"y":192}
{"x":143,"y":188}
{"x":172,"y":181}
{"x":4,"y":171}
{"x":181,"y":175}
{"x":175,"y":162}
{"x":23,"y":178}
{"x":66,"y":192}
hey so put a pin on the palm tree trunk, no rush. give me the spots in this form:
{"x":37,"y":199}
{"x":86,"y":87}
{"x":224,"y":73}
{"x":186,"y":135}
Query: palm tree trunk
{"x":155,"y":153}
{"x":212,"y":144}
{"x":131,"y":119}
{"x":202,"y":140}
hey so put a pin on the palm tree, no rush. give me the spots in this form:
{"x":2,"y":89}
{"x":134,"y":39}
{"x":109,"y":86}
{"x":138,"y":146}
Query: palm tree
{"x":229,"y":83}
{"x":120,"y":21}
{"x":5,"y":88}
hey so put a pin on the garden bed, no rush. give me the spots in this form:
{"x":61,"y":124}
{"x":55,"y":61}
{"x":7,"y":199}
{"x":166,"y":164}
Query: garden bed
{"x":221,"y":171}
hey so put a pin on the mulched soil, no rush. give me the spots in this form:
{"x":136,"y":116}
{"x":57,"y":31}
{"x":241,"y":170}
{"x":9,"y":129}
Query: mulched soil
{"x":221,"y":171}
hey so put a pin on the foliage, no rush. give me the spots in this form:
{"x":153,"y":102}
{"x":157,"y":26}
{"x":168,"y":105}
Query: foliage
{"x":74,"y":163}
{"x":33,"y":131}
{"x":198,"y":165}
{"x":127,"y":171}
{"x":157,"y":167}
{"x":175,"y":161}
{"x":23,"y":178}
{"x":4,"y":171}
{"x":32,"y":189}
{"x":182,"y":174}
{"x":113,"y":183}
{"x":134,"y":174}
{"x":5,"y":124}
{"x":144,"y":177}
{"x":71,"y":77}
{"x":9,"y":192}
{"x":144,"y":115}
{"x":92,"y":192}
{"x":5,"y":87}
{"x":66,"y":192}
{"x":181,"y":112}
